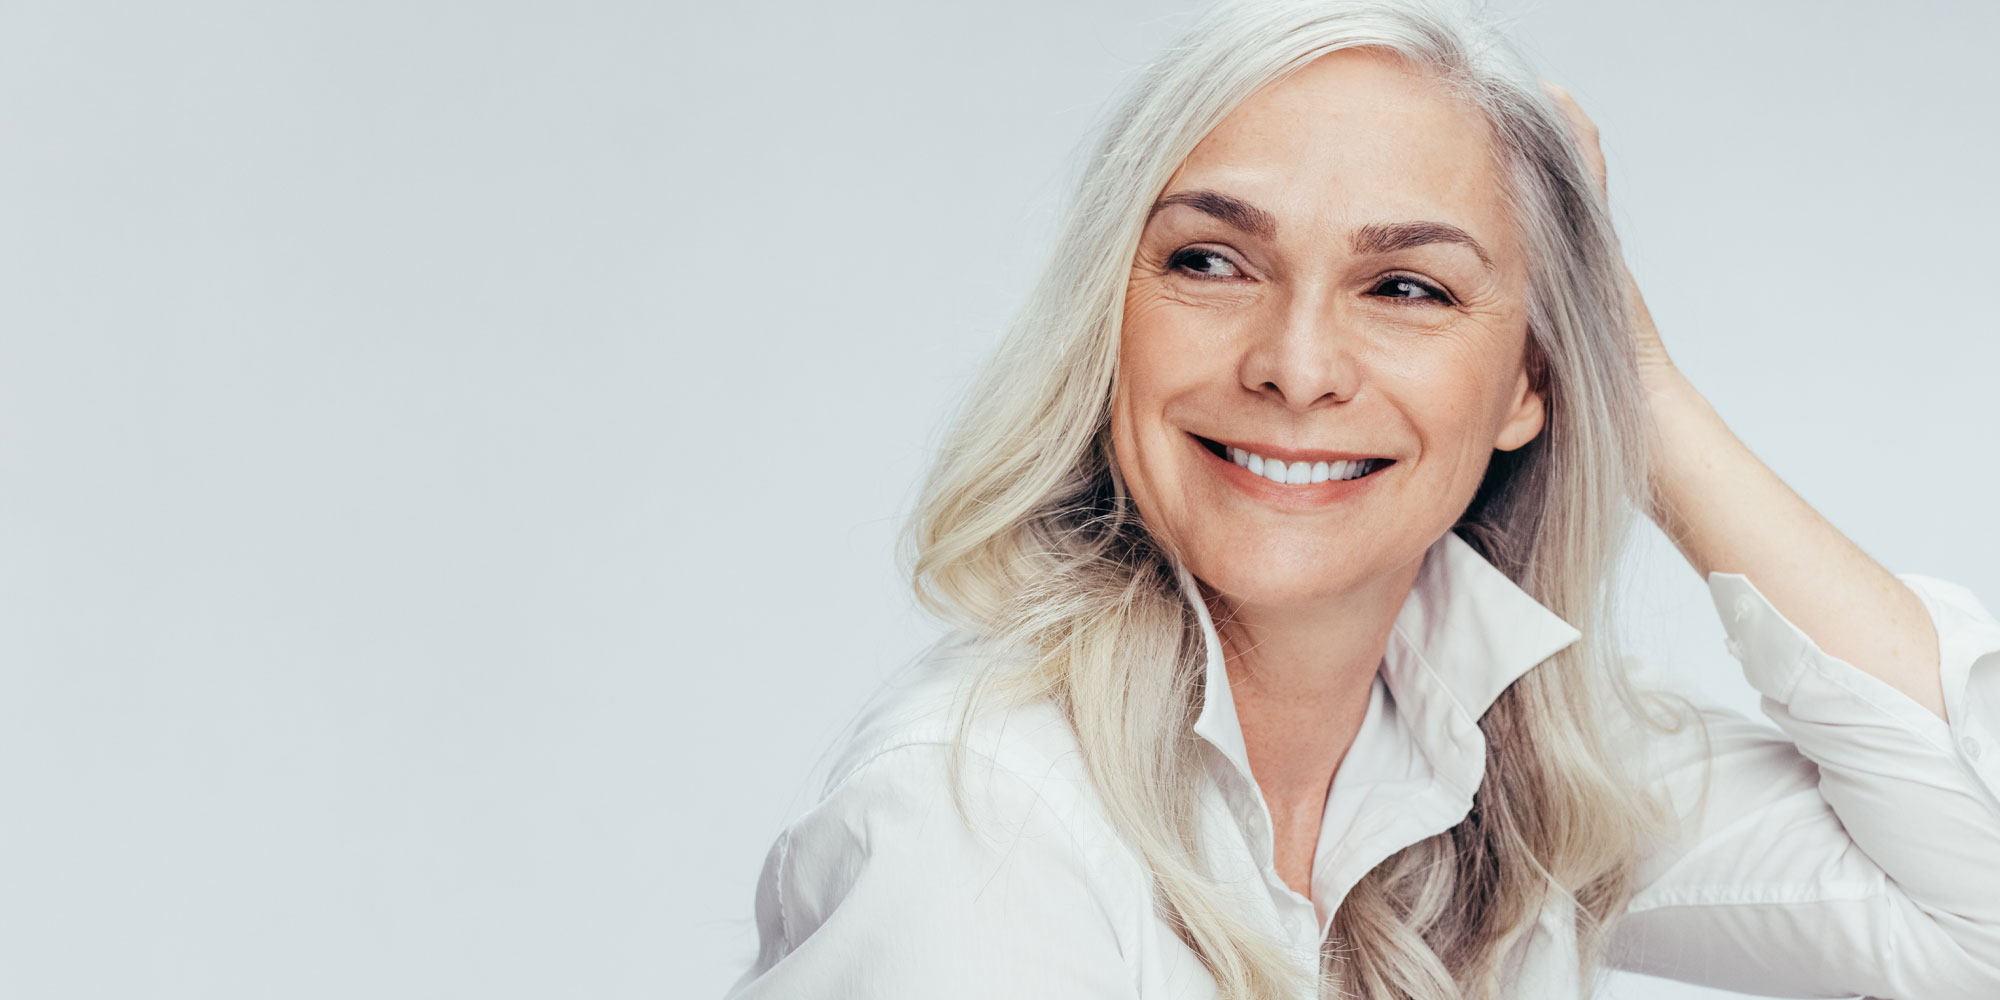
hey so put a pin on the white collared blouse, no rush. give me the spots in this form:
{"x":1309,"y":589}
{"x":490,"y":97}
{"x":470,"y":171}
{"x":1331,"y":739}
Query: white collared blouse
{"x":1854,"y":850}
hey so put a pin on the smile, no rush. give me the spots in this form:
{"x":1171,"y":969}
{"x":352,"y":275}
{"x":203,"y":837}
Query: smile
{"x":1291,"y":478}
{"x":1297,"y":472}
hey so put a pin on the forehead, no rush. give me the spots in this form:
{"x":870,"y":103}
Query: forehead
{"x":1354,"y":137}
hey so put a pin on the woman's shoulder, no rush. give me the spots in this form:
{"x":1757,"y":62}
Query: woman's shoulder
{"x":1030,"y":861}
{"x":903,"y":739}
{"x":916,"y":714}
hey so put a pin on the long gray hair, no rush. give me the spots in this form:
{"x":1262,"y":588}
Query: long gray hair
{"x":1024,"y":531}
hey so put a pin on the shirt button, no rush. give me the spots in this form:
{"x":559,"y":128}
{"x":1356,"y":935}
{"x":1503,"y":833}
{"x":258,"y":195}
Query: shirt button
{"x":1971,"y":747}
{"x":1743,"y":606}
{"x":1735,"y":647}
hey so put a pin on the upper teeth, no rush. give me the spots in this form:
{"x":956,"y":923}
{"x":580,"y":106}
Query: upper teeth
{"x":1301,"y":473}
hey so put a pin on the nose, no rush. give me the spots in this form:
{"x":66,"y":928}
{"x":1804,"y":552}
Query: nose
{"x":1305,"y":357}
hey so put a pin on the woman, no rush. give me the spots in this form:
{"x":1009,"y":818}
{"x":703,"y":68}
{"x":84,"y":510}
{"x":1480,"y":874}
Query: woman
{"x":1276,"y":539}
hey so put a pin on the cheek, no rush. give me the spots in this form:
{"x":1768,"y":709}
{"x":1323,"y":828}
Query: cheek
{"x":1440,"y":381}
{"x":1161,"y":360}
{"x":1159,"y":355}
{"x":1455,"y":399}
{"x":1134,"y":388}
{"x":1148,"y":323}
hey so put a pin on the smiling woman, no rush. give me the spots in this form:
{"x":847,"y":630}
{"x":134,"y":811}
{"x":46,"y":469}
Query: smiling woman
{"x":1275,"y":542}
{"x":1328,"y":230}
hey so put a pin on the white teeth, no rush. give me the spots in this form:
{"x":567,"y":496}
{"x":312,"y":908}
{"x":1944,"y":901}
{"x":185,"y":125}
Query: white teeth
{"x":1300,"y":473}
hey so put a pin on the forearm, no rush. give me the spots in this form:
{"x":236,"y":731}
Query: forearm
{"x":1727,"y":512}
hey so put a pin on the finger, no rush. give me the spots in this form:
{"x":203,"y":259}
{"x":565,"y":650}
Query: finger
{"x":1585,"y":132}
{"x":1579,"y":122}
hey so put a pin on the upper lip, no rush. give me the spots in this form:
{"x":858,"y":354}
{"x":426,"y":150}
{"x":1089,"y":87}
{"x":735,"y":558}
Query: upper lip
{"x":1289,"y":455}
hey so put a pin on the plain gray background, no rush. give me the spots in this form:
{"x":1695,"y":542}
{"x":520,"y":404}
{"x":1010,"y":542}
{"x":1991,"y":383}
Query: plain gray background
{"x":449,"y":452}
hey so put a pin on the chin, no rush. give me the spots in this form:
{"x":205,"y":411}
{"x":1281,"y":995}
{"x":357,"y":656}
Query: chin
{"x":1275,"y":575}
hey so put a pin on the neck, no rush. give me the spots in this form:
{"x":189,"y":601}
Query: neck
{"x":1301,"y":676}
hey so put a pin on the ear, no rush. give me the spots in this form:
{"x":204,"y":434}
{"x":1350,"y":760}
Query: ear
{"x":1525,"y":417}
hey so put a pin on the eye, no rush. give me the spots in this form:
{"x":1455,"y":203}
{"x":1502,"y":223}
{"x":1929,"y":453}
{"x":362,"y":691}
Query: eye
{"x":1409,"y":289}
{"x":1201,"y":263}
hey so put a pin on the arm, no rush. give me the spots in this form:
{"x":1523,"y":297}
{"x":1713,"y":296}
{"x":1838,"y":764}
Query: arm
{"x":883,"y":891}
{"x":1729,"y":513}
{"x":1855,"y":850}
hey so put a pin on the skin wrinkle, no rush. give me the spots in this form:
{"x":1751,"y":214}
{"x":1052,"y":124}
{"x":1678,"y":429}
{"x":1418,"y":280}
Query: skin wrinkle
{"x":1317,"y":198}
{"x":1373,"y":238}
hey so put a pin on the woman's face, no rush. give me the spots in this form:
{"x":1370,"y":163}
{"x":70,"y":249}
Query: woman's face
{"x":1332,"y":274}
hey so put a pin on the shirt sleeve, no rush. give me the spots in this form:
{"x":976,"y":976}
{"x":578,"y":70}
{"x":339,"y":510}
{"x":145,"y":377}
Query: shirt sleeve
{"x":1853,"y":850}
{"x":884,"y":891}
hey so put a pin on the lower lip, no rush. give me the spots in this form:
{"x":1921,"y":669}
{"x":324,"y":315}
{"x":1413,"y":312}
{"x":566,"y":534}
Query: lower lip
{"x":1306,"y":496}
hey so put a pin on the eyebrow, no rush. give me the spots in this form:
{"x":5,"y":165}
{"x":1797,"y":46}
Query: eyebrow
{"x":1235,"y":211}
{"x":1373,"y":238}
{"x":1389,"y":237}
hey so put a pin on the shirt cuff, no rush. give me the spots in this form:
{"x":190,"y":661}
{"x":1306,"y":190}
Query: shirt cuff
{"x":1779,"y":659}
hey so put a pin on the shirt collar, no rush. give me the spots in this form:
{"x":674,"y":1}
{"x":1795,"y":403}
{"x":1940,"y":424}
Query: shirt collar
{"x":1465,"y":632}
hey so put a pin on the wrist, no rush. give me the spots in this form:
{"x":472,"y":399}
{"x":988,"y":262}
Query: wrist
{"x":1666,"y":387}
{"x":1682,"y":429}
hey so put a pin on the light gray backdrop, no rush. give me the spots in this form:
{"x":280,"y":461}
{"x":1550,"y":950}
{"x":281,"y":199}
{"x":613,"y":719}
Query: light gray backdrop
{"x":449,"y":452}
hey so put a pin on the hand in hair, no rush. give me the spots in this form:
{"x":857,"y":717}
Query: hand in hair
{"x":1655,"y":368}
{"x":1585,"y":131}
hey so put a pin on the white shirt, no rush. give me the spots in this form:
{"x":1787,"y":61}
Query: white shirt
{"x":1855,"y":851}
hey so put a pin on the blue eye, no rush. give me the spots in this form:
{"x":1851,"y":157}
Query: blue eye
{"x":1409,"y":289}
{"x":1195,"y":261}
